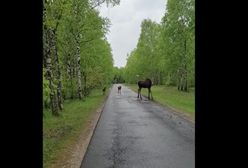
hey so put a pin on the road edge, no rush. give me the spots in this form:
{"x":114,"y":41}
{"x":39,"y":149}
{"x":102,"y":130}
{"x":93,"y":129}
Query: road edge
{"x":95,"y":123}
{"x":77,"y":151}
{"x":172,"y":110}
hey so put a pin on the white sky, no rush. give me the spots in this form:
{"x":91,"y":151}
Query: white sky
{"x":125,"y":20}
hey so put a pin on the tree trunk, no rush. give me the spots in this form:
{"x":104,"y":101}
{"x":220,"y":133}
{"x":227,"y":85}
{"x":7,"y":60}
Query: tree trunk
{"x":70,"y":76}
{"x":179,"y":83}
{"x":79,"y":74}
{"x":48,"y":48}
{"x":54,"y":101}
{"x":59,"y":85}
{"x":71,"y":82}
{"x":160,"y":78}
{"x":185,"y":73}
{"x":185,"y":84}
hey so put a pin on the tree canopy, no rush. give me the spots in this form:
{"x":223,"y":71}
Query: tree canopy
{"x":165,"y":51}
{"x":77,"y":57}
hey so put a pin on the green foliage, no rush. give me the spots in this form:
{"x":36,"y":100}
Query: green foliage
{"x":77,"y":44}
{"x":79,"y":29}
{"x":165,"y":52}
{"x":118,"y":75}
{"x":61,"y":132}
{"x":178,"y":39}
{"x":144,"y":61}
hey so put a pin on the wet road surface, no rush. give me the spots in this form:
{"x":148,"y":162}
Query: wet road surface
{"x":133,"y":133}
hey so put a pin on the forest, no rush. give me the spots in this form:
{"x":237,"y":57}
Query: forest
{"x":165,"y":52}
{"x":77,"y":57}
{"x":78,"y":63}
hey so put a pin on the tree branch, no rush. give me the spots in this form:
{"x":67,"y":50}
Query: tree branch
{"x":98,"y":3}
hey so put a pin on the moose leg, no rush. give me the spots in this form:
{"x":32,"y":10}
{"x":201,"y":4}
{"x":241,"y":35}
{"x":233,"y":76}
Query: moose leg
{"x":151,"y":94}
{"x":138,"y":92}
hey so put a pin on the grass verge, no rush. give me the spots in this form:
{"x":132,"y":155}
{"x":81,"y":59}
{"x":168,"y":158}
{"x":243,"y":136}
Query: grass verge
{"x":60,"y":133}
{"x":169,"y":96}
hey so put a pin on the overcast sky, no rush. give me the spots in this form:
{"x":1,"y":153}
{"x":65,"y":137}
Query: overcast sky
{"x":125,"y":20}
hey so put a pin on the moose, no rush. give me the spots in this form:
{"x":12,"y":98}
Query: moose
{"x":145,"y":84}
{"x":104,"y":90}
{"x":119,"y":89}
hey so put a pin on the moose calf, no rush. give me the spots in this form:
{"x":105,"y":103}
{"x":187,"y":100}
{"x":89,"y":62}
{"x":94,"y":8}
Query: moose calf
{"x":119,"y":89}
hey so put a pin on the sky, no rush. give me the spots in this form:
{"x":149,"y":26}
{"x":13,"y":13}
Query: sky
{"x":125,"y":28}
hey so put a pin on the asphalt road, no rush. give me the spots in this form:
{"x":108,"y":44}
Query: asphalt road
{"x":133,"y":133}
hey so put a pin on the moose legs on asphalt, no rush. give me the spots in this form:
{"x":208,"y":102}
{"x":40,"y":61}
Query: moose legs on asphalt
{"x":150,"y":97}
{"x":139,"y":93}
{"x":150,"y":93}
{"x":145,"y":84}
{"x":119,"y":89}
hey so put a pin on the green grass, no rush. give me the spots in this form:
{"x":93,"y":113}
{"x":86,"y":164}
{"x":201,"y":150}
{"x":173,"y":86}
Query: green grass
{"x":171,"y":97}
{"x":61,"y":132}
